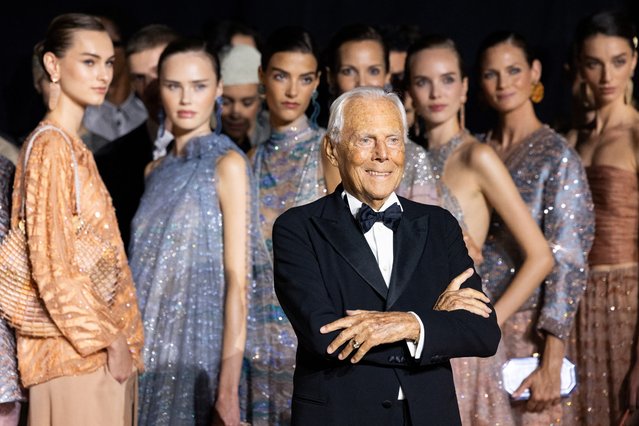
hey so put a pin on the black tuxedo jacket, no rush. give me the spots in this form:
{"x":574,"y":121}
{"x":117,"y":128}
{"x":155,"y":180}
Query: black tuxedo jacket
{"x":324,"y":266}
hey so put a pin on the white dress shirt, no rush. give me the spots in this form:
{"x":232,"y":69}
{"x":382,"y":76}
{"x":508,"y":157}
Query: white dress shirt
{"x":380,"y":240}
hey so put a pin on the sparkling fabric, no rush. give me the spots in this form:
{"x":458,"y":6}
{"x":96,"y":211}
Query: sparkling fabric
{"x":418,"y":183}
{"x":177,"y":258}
{"x":9,"y":387}
{"x":480,"y":403}
{"x":88,"y":324}
{"x":438,"y":157}
{"x":607,"y":322}
{"x":289,"y":173}
{"x":553,"y":184}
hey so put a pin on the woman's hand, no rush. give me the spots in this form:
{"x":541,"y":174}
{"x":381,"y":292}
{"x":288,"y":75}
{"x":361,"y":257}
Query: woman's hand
{"x":119,"y":359}
{"x":633,"y":387}
{"x":227,"y":409}
{"x":545,"y":382}
{"x":474,"y":251}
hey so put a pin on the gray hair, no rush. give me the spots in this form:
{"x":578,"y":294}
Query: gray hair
{"x":336,"y":119}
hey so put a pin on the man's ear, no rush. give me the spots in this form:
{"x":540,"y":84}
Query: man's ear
{"x":330,"y":151}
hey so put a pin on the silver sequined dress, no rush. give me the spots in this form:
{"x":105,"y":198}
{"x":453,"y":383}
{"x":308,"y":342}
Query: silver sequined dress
{"x":553,"y":184}
{"x":289,"y":173}
{"x":10,"y":390}
{"x":176,"y":257}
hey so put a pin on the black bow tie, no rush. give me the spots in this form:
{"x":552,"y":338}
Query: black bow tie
{"x":389,"y":217}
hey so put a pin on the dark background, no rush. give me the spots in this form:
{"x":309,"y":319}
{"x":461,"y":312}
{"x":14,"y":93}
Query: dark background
{"x":548,"y":25}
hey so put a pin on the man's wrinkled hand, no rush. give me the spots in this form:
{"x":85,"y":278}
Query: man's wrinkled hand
{"x":455,"y":297}
{"x":364,"y":330}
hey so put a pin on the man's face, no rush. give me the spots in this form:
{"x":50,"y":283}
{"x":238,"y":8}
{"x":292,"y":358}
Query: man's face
{"x":370,"y":152}
{"x":143,"y":68}
{"x":240,"y":106}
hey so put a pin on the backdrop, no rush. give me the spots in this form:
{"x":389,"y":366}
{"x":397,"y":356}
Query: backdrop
{"x":547,"y":24}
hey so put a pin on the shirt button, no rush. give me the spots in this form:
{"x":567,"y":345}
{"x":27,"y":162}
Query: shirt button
{"x":387,"y":404}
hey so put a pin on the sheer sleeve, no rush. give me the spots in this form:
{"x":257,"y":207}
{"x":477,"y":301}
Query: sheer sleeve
{"x":81,"y":315}
{"x":568,"y":225}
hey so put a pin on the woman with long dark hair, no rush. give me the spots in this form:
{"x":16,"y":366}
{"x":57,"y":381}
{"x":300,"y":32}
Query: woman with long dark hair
{"x":552,"y":182}
{"x":606,"y":50}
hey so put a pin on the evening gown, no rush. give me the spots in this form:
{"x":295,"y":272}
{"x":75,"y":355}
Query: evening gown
{"x":552,"y":182}
{"x":288,"y":170}
{"x":607,"y":320}
{"x":479,"y":403}
{"x":177,"y":259}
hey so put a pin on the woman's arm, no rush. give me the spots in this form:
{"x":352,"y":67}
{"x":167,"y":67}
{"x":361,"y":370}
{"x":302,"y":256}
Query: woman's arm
{"x":499,"y":189}
{"x":234,"y":192}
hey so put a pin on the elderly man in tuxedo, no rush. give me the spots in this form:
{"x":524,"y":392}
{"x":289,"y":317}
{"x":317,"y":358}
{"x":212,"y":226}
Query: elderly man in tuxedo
{"x":372,"y":284}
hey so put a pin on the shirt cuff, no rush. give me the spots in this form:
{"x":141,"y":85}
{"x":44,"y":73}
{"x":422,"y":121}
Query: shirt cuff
{"x":416,"y":348}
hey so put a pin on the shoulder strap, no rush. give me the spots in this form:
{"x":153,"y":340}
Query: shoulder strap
{"x":27,"y":153}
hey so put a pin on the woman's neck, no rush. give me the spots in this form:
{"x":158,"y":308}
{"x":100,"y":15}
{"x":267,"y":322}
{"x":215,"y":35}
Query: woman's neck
{"x":614,"y":114}
{"x":182,"y":138}
{"x":67,"y":114}
{"x":440,"y":134}
{"x":516,"y":125}
{"x":280,"y":126}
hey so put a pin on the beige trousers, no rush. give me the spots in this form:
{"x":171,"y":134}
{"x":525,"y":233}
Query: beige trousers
{"x":95,"y":399}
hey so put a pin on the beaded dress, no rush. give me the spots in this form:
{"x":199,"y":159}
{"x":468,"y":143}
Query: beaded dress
{"x":10,"y":390}
{"x":289,"y":173}
{"x":177,"y":258}
{"x":553,"y":184}
{"x":479,"y":395}
{"x":607,"y":322}
{"x":418,"y":182}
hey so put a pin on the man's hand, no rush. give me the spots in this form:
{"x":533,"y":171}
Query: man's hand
{"x":364,"y":330}
{"x":471,"y":300}
{"x":119,"y":359}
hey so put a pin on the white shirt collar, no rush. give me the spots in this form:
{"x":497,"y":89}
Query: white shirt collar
{"x":354,"y":204}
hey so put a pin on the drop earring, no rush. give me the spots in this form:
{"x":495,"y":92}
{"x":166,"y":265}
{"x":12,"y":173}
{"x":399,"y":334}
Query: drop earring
{"x":316,"y":109}
{"x":537,"y":94}
{"x":161,"y":119}
{"x":462,"y":116}
{"x":218,"y":115}
{"x":54,"y":94}
{"x":627,"y":98}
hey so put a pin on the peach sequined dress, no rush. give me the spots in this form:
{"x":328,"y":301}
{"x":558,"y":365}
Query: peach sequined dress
{"x":607,"y":320}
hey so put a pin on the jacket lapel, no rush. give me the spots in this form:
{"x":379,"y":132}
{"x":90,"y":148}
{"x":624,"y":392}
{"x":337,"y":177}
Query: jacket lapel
{"x":409,"y":243}
{"x":337,"y":225}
